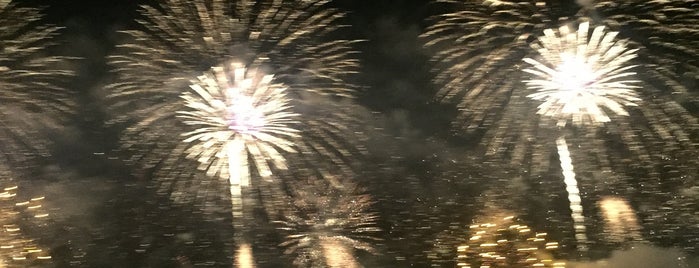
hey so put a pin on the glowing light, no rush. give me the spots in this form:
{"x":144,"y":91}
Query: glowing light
{"x":620,"y":221}
{"x":573,"y":193}
{"x":240,"y":114}
{"x":15,"y":245}
{"x":503,"y":244}
{"x":579,"y":77}
{"x":244,"y":258}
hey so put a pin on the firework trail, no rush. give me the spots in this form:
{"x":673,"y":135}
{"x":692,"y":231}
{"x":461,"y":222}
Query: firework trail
{"x":32,"y":98}
{"x":237,"y":89}
{"x":619,"y":124}
{"x":326,"y":224}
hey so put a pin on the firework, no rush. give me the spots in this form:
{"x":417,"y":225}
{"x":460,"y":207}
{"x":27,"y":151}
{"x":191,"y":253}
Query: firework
{"x":504,"y":242}
{"x":270,"y":97}
{"x":581,"y":78}
{"x":326,"y":224}
{"x":628,"y":109}
{"x":32,"y":98}
{"x":18,"y":249}
{"x":478,"y":45}
{"x":239,"y":114}
{"x":278,"y":38}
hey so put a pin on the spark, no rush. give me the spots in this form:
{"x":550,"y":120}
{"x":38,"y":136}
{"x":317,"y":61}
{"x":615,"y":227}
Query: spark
{"x":16,"y":248}
{"x":504,"y":242}
{"x":326,"y":224}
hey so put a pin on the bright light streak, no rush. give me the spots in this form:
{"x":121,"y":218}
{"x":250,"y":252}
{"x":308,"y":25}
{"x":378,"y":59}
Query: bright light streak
{"x":575,"y":202}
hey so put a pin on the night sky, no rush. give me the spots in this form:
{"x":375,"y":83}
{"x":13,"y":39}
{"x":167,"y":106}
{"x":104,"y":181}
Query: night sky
{"x":427,"y":169}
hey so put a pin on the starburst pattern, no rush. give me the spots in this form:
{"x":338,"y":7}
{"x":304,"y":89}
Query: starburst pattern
{"x":646,"y":131}
{"x":33,"y":99}
{"x":286,"y":40}
{"x":326,"y":223}
{"x":476,"y":51}
{"x":578,"y":78}
{"x":478,"y":45}
{"x":238,"y":113}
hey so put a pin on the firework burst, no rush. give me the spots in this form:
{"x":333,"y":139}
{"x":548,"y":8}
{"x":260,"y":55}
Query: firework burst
{"x":478,"y":45}
{"x":283,"y":39}
{"x":32,"y":98}
{"x":581,"y":78}
{"x":326,"y":224}
{"x":627,"y":91}
{"x":279,"y":104}
{"x":239,"y":114}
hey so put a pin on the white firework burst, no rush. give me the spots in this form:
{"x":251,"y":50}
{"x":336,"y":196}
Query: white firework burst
{"x":477,"y":44}
{"x":584,"y":77}
{"x":182,"y":39}
{"x":577,"y":79}
{"x":239,"y":114}
{"x":240,"y":125}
